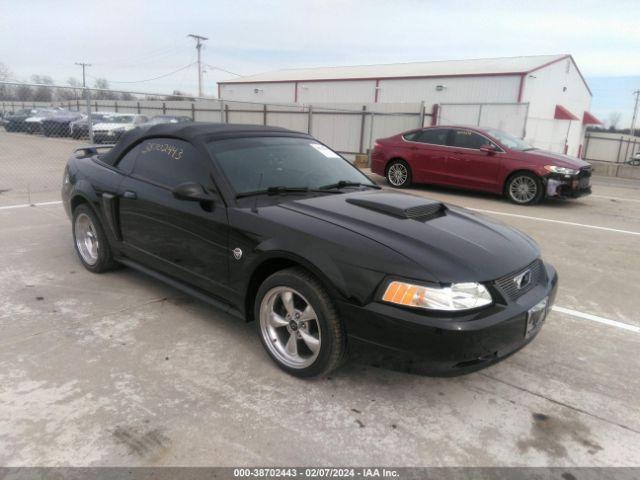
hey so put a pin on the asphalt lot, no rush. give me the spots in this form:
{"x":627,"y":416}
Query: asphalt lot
{"x":118,"y":369}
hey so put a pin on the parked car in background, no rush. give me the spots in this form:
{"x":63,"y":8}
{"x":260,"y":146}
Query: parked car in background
{"x":158,"y":119}
{"x":80,"y":128}
{"x":17,"y":122}
{"x":33,"y":124}
{"x":114,"y":125}
{"x":57,"y":125}
{"x":483,"y":159}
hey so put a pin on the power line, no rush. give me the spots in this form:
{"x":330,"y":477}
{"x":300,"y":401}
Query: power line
{"x":153,"y":55}
{"x":153,"y":78}
{"x":222,"y":69}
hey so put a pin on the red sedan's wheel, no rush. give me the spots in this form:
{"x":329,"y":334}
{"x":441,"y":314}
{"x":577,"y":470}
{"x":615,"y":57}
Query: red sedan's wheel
{"x":399,"y":174}
{"x":524,"y":188}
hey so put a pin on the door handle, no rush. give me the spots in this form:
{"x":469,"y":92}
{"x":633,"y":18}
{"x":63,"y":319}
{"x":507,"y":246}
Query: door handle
{"x":130,"y":195}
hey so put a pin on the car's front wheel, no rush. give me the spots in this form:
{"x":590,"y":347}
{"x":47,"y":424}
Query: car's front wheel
{"x":524,"y":188}
{"x":298,"y":324}
{"x":399,"y":174}
{"x":90,"y":241}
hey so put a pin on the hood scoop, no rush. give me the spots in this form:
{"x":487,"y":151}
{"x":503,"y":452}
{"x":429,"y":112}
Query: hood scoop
{"x":401,"y":206}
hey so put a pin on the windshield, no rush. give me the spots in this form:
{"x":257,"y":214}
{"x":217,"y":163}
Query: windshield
{"x":120,"y":119}
{"x":252,"y":164}
{"x":509,"y":141}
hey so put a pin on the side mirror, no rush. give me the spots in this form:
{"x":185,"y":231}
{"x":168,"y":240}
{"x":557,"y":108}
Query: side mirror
{"x":489,"y":150}
{"x":191,"y":191}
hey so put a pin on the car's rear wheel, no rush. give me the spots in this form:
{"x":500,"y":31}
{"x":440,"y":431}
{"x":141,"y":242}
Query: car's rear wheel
{"x":524,"y":188}
{"x":90,"y":241}
{"x":399,"y":174}
{"x":298,"y":324}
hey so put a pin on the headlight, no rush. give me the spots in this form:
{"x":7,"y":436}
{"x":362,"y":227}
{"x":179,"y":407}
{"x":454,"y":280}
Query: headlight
{"x":458,"y":296}
{"x":561,"y":170}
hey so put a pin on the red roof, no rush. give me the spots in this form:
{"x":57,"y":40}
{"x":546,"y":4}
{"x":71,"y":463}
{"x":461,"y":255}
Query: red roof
{"x":589,"y":119}
{"x":564,"y":114}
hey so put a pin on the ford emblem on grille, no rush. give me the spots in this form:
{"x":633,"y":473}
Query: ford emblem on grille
{"x":523,"y":279}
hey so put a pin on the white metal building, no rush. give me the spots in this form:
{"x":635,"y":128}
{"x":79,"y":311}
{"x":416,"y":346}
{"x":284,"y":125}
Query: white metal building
{"x":545,"y":97}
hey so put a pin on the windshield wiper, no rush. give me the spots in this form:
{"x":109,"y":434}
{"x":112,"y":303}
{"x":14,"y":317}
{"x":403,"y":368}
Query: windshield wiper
{"x":347,"y":183}
{"x":273,"y":191}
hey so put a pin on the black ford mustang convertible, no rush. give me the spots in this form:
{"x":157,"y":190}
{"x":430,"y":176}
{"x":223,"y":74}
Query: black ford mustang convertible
{"x":273,"y":226}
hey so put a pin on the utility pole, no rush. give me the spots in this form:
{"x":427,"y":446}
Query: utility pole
{"x":199,"y":39}
{"x":635,"y":113}
{"x":87,"y":97}
{"x":84,"y":66}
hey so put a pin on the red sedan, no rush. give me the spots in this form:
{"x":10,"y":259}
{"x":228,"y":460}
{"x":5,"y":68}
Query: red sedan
{"x":482,"y":159}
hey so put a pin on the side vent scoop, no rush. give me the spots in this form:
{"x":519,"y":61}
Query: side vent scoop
{"x":401,"y":206}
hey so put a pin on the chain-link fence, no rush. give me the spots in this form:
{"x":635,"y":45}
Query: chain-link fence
{"x":44,"y":124}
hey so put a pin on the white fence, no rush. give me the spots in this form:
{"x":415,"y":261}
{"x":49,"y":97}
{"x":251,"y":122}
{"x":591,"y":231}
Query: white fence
{"x":347,"y":128}
{"x":508,"y":117}
{"x":610,"y":147}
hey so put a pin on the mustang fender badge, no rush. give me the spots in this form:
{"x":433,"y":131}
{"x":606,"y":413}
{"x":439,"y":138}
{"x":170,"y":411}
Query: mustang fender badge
{"x":237,"y":253}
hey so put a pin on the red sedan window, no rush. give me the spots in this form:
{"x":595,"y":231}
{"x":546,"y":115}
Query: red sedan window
{"x":469,"y":139}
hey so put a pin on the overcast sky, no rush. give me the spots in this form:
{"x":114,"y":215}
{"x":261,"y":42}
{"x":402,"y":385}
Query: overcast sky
{"x":129,"y":41}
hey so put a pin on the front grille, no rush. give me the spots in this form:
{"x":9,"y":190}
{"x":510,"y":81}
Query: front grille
{"x":585,"y":172}
{"x":508,"y":286}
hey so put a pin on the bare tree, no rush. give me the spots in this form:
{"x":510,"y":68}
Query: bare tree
{"x":6,"y":91}
{"x":23,"y":93}
{"x":42,"y":94}
{"x":103,"y":84}
{"x":70,"y":93}
{"x":614,"y":120}
{"x":178,"y":95}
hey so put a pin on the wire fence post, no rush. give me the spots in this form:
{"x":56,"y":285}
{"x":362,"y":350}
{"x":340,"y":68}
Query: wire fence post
{"x":87,"y":94}
{"x":586,"y":145}
{"x":371,"y":120}
{"x":309,"y":120}
{"x":264,"y":114}
{"x":619,"y":149}
{"x":363,"y":119}
{"x":421,"y":116}
{"x":221,"y":111}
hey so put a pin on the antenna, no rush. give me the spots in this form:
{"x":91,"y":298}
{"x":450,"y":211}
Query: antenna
{"x":255,"y":202}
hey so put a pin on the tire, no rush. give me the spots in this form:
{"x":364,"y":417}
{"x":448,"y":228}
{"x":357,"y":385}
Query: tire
{"x":90,"y":241}
{"x":399,"y":174}
{"x":319,"y":343}
{"x":524,"y":188}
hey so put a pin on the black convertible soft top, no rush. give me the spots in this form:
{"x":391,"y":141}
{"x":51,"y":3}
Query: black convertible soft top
{"x":190,"y":132}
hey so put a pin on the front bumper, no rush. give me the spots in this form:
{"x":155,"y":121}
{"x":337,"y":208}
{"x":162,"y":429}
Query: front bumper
{"x":448,"y":345}
{"x":569,"y":186}
{"x":102,"y":136}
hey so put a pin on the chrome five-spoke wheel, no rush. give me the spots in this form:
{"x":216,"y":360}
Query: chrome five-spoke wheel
{"x":86,"y":239}
{"x":290,"y":327}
